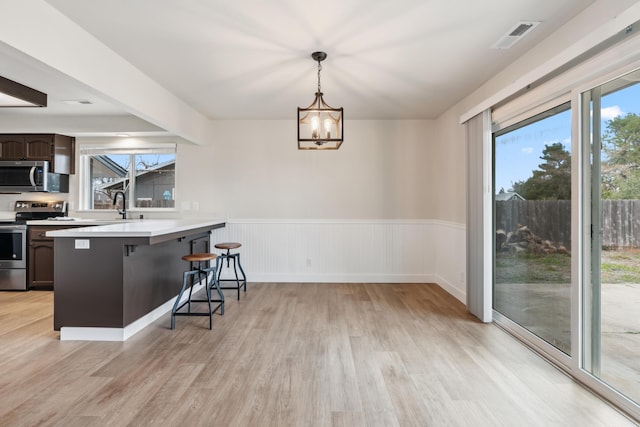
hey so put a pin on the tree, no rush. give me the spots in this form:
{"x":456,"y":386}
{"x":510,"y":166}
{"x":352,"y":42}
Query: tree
{"x":552,"y":181}
{"x":621,"y":160}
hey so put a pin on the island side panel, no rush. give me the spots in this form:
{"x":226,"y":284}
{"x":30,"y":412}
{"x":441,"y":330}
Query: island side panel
{"x":88,"y":289}
{"x":153,"y":274}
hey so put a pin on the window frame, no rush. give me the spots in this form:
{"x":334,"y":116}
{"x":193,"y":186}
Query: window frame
{"x":86,"y":151}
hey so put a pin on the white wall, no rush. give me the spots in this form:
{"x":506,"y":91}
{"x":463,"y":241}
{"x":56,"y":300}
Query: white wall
{"x":253,"y":169}
{"x":449,"y":169}
{"x":363,"y":213}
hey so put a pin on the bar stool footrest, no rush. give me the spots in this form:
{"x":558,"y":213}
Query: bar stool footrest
{"x":210,"y":282}
{"x":240,"y":280}
{"x":198,"y":313}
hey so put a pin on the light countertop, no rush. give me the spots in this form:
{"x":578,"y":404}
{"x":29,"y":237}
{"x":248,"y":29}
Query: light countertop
{"x":129,"y":228}
{"x":68,"y":221}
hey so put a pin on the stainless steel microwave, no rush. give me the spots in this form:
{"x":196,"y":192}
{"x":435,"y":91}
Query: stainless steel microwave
{"x":24,"y":176}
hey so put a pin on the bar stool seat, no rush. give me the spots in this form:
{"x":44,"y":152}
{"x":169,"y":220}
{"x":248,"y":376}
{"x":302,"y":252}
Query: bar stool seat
{"x":239,"y":284}
{"x":199,"y":257}
{"x":227,"y":245}
{"x":201,"y":273}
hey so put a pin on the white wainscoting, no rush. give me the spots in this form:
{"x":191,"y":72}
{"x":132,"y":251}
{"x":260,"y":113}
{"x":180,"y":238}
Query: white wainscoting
{"x":376,"y":251}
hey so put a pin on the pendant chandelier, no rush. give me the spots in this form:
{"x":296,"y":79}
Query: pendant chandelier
{"x":319,"y":125}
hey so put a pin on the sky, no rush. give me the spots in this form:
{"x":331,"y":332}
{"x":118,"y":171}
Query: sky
{"x":151,"y":159}
{"x":518,"y":153}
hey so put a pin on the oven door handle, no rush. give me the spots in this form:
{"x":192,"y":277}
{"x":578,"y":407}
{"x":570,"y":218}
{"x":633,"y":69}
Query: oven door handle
{"x":11,"y":228}
{"x":32,"y":173}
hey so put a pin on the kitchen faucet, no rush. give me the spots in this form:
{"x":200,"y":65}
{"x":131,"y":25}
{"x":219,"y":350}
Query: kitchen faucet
{"x":122,"y":211}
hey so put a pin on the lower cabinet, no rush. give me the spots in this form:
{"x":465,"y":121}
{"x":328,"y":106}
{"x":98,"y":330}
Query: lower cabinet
{"x":41,"y":264}
{"x":40,"y":258}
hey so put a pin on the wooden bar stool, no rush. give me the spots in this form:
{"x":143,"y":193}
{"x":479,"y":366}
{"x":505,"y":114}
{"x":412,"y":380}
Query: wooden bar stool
{"x":202,"y":273}
{"x":236,"y":264}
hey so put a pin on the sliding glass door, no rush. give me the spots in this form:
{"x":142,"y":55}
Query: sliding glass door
{"x":611,"y":294}
{"x":566,"y":222}
{"x":532,"y":225}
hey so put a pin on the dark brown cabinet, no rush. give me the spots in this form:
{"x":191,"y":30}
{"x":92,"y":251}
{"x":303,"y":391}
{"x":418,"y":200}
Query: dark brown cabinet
{"x":12,"y":147}
{"x":59,"y":150}
{"x":41,"y":147}
{"x":40,"y":260}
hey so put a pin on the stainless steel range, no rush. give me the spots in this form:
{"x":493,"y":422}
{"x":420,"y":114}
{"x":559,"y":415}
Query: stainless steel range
{"x":13,"y":257}
{"x":13,"y":241}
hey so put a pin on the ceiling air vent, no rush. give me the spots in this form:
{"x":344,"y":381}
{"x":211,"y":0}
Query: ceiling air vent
{"x":77,"y":102}
{"x":514,"y":35}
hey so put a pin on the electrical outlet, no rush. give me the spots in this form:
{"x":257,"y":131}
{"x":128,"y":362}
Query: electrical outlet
{"x":82,"y":243}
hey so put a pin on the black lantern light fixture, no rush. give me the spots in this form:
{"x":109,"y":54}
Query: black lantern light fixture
{"x":319,"y":125}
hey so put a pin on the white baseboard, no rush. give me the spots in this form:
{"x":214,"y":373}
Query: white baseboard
{"x":450,"y":288}
{"x":72,"y":333}
{"x":341,"y":278}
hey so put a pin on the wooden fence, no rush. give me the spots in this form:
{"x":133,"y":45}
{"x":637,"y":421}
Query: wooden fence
{"x":551,"y":220}
{"x":547,"y":219}
{"x":621,"y":224}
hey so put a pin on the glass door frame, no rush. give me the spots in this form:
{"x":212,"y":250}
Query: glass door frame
{"x":583,"y":335}
{"x":556,"y":356}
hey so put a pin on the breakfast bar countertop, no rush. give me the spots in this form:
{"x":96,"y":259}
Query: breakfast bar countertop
{"x":133,"y":228}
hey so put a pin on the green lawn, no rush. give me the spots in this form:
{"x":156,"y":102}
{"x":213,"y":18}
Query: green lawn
{"x":621,"y":266}
{"x":528,"y":268}
{"x":617,"y":267}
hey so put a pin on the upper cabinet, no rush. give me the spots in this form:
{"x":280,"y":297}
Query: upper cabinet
{"x":59,"y":150}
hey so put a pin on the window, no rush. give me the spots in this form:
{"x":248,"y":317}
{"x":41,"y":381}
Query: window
{"x":145,"y":175}
{"x":532,"y":220}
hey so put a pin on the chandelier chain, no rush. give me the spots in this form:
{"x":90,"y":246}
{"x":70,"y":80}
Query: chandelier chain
{"x":319,"y":69}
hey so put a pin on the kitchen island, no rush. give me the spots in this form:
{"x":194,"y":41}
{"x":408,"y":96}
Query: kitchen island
{"x":40,"y":246}
{"x":113,"y":280}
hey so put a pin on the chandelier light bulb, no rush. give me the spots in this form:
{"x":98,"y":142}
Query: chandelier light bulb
{"x":315,"y":125}
{"x":327,"y":128}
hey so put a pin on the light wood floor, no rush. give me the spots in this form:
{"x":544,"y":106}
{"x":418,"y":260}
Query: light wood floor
{"x":289,"y":355}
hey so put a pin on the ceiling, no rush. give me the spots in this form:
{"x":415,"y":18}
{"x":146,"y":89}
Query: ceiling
{"x":250,"y":59}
